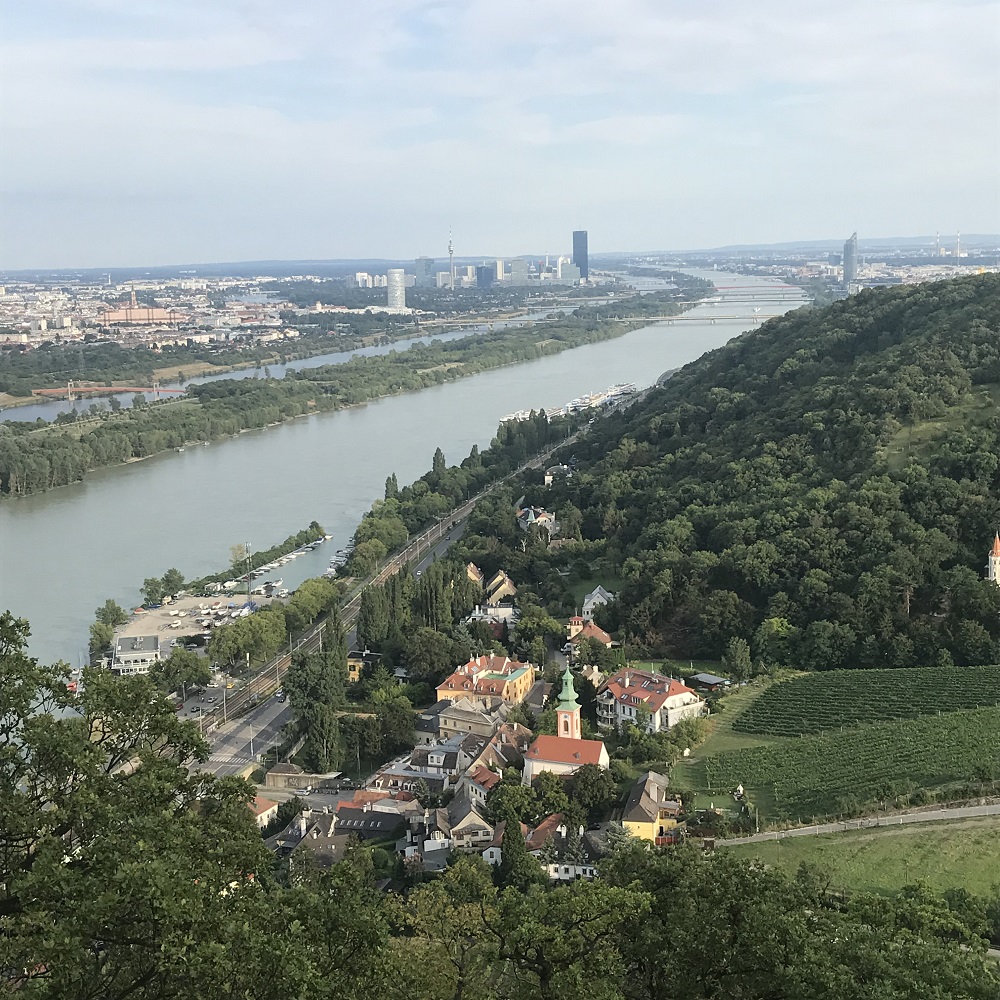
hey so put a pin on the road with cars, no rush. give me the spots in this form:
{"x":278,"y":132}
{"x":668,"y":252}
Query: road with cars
{"x":238,"y":744}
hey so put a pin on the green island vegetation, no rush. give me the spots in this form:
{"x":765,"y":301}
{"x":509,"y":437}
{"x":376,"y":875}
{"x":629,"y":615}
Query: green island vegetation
{"x":816,"y":702}
{"x":33,"y":459}
{"x":953,"y":857}
{"x":127,"y":872}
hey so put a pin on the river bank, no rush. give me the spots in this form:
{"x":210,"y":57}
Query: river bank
{"x":34,"y":460}
{"x":67,"y":550}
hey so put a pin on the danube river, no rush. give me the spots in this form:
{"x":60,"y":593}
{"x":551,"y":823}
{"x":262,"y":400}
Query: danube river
{"x":63,"y":552}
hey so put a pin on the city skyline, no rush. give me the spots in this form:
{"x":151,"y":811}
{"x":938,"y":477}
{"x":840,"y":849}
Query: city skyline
{"x":139,"y":135}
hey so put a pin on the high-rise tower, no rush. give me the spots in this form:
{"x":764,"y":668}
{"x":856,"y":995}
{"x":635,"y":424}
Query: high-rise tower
{"x":580,"y":256}
{"x":424,"y":269}
{"x":451,"y":260}
{"x":396,"y":287}
{"x":851,"y":259}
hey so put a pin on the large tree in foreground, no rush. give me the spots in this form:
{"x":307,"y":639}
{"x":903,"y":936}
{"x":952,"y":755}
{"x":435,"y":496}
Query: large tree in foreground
{"x":123,"y":874}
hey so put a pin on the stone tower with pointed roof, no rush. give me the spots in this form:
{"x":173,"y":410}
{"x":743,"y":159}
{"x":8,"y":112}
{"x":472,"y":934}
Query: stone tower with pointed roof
{"x":568,"y":709}
{"x":993,"y":562}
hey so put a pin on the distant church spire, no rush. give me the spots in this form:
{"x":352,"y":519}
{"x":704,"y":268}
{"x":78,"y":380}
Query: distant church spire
{"x":568,"y":709}
{"x":993,"y":562}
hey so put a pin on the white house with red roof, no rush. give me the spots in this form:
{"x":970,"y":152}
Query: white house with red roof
{"x":566,"y":751}
{"x":626,"y":692}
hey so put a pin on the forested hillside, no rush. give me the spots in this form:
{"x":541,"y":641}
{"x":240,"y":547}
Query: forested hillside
{"x":825,"y":487}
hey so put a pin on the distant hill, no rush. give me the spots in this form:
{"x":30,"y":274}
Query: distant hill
{"x":825,"y":487}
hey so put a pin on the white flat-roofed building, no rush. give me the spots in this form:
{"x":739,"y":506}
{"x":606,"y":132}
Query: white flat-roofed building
{"x":135,"y":655}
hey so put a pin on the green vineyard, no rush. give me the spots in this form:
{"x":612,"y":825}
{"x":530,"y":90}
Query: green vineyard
{"x":842,"y":772}
{"x":816,"y":703}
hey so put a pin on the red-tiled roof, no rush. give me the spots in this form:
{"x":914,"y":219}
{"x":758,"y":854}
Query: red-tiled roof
{"x":592,"y":631}
{"x":260,"y":805}
{"x":468,"y":677}
{"x":547,"y":828}
{"x":561,"y":750}
{"x":485,"y":777}
{"x":652,"y":690}
{"x":996,"y":545}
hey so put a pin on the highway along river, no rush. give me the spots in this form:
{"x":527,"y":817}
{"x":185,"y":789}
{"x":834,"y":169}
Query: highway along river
{"x":63,"y":552}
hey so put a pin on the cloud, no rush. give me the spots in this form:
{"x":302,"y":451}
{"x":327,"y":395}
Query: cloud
{"x":316,"y":128}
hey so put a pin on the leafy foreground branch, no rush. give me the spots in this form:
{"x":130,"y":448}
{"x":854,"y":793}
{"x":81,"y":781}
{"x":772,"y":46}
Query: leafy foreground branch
{"x":123,"y":875}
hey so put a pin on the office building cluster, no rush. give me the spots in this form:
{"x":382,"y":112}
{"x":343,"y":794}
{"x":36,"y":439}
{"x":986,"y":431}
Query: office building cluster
{"x":560,"y":270}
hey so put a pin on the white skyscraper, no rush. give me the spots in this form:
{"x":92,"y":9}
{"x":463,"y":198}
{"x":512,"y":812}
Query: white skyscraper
{"x":396,"y":284}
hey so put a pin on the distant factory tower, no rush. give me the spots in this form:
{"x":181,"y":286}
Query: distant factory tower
{"x":851,"y":259}
{"x":993,"y":562}
{"x":580,"y":255}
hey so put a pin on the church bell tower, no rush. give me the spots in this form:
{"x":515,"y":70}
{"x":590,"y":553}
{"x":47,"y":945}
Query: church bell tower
{"x":993,"y":562}
{"x":568,"y":709}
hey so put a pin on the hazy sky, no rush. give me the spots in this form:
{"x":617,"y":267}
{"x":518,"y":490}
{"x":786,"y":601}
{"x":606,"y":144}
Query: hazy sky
{"x":167,"y":131}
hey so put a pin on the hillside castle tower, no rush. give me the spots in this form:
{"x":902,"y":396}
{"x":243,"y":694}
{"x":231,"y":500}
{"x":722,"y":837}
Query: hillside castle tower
{"x":993,"y":562}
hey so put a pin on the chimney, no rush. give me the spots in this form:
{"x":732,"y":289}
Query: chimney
{"x":302,"y":825}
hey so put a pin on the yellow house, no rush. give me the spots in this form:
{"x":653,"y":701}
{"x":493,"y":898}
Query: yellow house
{"x":489,"y":676}
{"x":649,"y":814}
{"x":499,"y":586}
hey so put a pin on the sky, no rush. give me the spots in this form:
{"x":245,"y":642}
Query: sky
{"x":148,"y":132}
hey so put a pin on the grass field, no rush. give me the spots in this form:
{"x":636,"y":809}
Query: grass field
{"x":690,"y":775}
{"x":960,"y":853}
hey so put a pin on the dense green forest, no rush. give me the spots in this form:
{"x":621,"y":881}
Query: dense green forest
{"x":125,"y":873}
{"x":825,"y":488}
{"x":33,"y":459}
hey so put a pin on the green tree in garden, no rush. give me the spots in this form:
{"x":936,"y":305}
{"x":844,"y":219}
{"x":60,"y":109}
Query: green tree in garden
{"x":737,"y":659}
{"x":430,"y":655}
{"x":101,"y":637}
{"x":517,"y":869}
{"x":182,"y":669}
{"x":593,"y":788}
{"x":391,"y":487}
{"x":373,"y":618}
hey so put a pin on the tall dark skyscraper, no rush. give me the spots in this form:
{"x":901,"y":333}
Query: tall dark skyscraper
{"x":580,"y":252}
{"x":424,"y":268}
{"x":851,"y":259}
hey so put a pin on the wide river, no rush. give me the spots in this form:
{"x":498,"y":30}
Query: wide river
{"x":63,"y":552}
